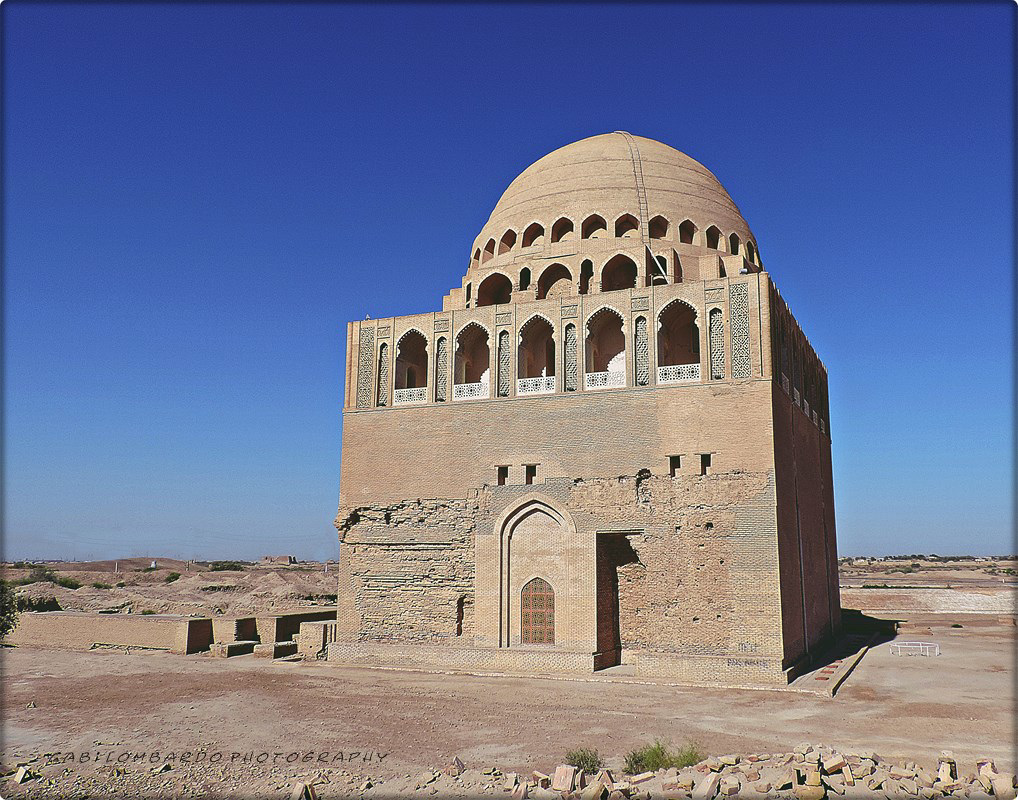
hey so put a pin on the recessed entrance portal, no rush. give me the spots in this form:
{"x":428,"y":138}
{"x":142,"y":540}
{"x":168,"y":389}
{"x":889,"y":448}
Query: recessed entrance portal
{"x":613,"y":551}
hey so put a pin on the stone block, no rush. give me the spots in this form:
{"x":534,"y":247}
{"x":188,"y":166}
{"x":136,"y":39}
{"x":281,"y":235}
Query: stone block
{"x":729,"y":785}
{"x":834,"y":764}
{"x":543,"y":781}
{"x":804,"y":792}
{"x":564,"y":779}
{"x":1003,"y":786}
{"x":707,"y":786}
{"x":643,"y":776}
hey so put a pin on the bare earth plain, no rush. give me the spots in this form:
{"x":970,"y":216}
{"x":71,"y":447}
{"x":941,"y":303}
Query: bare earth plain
{"x":103,"y":723}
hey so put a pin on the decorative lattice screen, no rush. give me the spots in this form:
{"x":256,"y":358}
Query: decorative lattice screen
{"x":571,"y":377}
{"x":642,"y":353}
{"x":441,"y":369}
{"x":383,"y":374}
{"x":503,"y":364}
{"x":365,"y":367}
{"x":738,"y":310}
{"x":716,"y":338}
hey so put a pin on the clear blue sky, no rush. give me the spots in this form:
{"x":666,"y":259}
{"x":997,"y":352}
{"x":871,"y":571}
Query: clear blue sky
{"x":198,"y":198}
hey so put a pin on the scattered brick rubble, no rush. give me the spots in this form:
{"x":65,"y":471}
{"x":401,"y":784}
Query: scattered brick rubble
{"x":810,"y":772}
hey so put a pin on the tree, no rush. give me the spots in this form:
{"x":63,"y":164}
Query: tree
{"x":8,"y":609}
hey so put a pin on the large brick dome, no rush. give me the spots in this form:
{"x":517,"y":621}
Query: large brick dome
{"x":611,"y":175}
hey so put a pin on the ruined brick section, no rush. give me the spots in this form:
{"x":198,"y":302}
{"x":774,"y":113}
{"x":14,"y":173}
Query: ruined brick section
{"x":409,"y":565}
{"x":685,"y":581}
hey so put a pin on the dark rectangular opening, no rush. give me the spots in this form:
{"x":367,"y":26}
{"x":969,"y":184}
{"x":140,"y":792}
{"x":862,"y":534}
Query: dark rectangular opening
{"x":674,"y":465}
{"x":503,"y":475}
{"x":529,"y":473}
{"x":705,"y":463}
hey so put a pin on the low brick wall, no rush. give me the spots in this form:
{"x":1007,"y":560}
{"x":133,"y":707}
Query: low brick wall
{"x":285,"y":627}
{"x":314,"y":637}
{"x":74,"y":630}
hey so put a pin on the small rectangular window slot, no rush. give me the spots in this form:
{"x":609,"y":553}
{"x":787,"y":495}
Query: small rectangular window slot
{"x":529,"y":473}
{"x":705,"y":463}
{"x":674,"y":465}
{"x":503,"y":475}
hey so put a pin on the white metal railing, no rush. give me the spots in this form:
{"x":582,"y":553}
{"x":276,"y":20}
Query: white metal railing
{"x":915,"y":649}
{"x":535,"y":385}
{"x":469,"y":391}
{"x":784,"y":383}
{"x":418,"y":395}
{"x":604,"y":380}
{"x":805,"y":406}
{"x":678,"y":373}
{"x":795,"y":396}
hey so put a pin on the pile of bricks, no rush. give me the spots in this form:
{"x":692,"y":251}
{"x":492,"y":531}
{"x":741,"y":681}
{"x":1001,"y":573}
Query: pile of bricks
{"x":808,"y":773}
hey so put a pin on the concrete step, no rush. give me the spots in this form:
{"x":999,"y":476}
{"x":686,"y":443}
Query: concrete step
{"x":229,"y":649}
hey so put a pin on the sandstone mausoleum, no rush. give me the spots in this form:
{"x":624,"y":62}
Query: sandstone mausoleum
{"x":611,"y":446}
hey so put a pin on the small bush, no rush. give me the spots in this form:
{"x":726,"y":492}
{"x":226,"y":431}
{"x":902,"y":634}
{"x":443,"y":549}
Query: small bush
{"x":148,"y":569}
{"x":957,"y":625}
{"x":875,"y":586}
{"x":225,"y":566}
{"x":652,"y":757}
{"x":8,"y":609}
{"x":584,"y":759}
{"x":100,"y":585}
{"x":147,"y":611}
{"x":67,"y":583}
{"x":172,"y":577}
{"x":121,"y":584}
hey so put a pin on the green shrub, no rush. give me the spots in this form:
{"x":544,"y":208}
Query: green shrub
{"x":584,"y":759}
{"x":225,"y":566}
{"x":100,"y":585}
{"x":148,"y":569}
{"x":67,"y":583}
{"x":147,"y":611}
{"x":8,"y":609}
{"x":172,"y":577}
{"x":957,"y":625}
{"x":652,"y":757}
{"x":121,"y":584}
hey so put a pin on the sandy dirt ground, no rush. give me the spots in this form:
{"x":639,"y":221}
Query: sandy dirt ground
{"x":104,"y":702}
{"x":253,"y":728}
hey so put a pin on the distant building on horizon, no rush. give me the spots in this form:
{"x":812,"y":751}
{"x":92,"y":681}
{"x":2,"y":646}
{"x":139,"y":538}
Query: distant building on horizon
{"x":610,"y":447}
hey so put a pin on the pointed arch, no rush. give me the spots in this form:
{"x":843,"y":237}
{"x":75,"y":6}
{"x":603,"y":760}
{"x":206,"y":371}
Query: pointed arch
{"x":658,"y":227}
{"x":733,"y":244}
{"x":507,"y":242}
{"x":687,"y":231}
{"x":713,"y":237}
{"x":605,"y":349}
{"x":524,"y":278}
{"x":536,"y":356}
{"x":619,"y":272}
{"x":555,"y":280}
{"x":594,"y":227}
{"x":495,"y":289}
{"x":627,"y":226}
{"x":489,"y":251}
{"x":411,"y":362}
{"x":562,"y":230}
{"x":678,"y":343}
{"x":534,"y":234}
{"x":472,"y":358}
